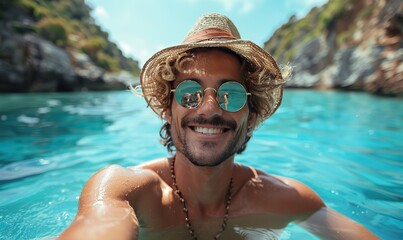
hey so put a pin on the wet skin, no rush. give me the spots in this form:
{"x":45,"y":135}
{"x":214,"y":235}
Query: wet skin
{"x":140,"y":201}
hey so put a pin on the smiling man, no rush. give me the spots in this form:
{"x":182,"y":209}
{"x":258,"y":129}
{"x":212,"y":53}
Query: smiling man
{"x":213,"y":91}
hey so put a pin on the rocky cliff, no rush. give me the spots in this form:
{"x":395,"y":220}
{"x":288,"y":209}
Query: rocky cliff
{"x":345,"y":44}
{"x":56,"y":46}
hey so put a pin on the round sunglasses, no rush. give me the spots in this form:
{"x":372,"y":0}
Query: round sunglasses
{"x":231,"y":96}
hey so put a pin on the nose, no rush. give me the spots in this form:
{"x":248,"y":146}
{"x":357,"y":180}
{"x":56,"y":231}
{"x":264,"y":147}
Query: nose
{"x":209,"y":106}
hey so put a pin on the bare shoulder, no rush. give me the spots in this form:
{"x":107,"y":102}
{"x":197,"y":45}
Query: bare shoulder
{"x":301,"y":192}
{"x":109,"y":197}
{"x":280,"y":195}
{"x":119,"y":183}
{"x":156,"y":165}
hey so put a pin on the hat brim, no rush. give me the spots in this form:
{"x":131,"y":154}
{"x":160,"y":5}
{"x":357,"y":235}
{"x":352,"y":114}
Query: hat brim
{"x":248,"y":50}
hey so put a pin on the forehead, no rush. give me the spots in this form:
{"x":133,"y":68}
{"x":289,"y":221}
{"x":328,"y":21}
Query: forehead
{"x":212,"y":66}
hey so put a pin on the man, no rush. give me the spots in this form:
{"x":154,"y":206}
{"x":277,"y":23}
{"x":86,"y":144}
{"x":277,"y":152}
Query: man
{"x":213,"y":91}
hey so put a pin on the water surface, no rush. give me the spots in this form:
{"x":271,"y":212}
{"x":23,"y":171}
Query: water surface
{"x":346,"y":146}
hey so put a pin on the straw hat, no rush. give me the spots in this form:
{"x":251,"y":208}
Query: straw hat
{"x":218,"y":31}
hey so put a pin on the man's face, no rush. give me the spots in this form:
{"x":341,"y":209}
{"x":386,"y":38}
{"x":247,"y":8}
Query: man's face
{"x":208,"y":135}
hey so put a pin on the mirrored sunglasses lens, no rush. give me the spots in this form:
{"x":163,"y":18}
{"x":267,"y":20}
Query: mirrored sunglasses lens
{"x":231,"y":96}
{"x":189,"y":94}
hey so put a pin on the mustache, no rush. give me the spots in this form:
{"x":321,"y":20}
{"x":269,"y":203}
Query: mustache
{"x":215,"y":121}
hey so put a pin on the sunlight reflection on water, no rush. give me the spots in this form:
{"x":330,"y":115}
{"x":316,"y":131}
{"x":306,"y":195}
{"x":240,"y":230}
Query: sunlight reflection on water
{"x":346,"y":146}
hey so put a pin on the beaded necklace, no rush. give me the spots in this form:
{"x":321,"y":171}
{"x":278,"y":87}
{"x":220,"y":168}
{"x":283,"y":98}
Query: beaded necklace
{"x":186,"y":211}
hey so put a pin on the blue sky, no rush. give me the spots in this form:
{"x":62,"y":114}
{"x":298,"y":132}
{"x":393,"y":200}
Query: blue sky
{"x":140,"y":28}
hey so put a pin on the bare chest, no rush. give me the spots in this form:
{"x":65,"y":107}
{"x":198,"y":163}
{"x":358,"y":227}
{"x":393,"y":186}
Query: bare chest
{"x":164,"y":218}
{"x":246,"y":227}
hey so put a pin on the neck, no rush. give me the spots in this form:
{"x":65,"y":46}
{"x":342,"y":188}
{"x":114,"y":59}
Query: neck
{"x":204,"y":188}
{"x":185,"y":206}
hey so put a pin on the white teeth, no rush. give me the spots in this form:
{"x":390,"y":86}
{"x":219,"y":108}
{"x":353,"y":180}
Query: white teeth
{"x":209,"y":130}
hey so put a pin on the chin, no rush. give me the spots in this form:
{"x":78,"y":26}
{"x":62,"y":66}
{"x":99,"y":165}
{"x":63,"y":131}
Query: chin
{"x":207,"y":157}
{"x":202,"y":163}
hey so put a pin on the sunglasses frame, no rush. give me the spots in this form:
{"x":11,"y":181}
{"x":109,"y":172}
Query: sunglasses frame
{"x":216,"y":92}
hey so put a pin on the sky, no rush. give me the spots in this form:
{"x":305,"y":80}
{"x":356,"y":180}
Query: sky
{"x":142,"y":27}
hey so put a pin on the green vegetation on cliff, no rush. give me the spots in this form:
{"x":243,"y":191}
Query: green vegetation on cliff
{"x":296,"y":32}
{"x":69,"y":25}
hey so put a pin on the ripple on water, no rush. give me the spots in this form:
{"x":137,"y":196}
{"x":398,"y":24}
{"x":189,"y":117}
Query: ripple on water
{"x":346,"y":146}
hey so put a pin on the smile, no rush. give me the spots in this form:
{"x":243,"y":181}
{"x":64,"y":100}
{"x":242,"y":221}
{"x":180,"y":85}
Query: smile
{"x":210,"y":131}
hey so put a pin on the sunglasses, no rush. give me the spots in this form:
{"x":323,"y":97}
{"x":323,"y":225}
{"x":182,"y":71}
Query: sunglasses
{"x":231,"y":96}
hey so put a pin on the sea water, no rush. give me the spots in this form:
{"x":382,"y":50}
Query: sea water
{"x":347,"y":146}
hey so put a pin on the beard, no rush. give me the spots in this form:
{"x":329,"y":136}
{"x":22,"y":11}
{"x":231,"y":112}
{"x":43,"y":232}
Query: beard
{"x":214,"y":158}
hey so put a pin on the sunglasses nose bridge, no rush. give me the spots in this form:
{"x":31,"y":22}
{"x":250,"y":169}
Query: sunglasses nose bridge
{"x":210,"y":88}
{"x":209,"y":105}
{"x":214,"y":96}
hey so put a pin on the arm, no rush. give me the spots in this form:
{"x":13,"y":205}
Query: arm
{"x":104,"y":211}
{"x":320,"y":220}
{"x":329,"y":224}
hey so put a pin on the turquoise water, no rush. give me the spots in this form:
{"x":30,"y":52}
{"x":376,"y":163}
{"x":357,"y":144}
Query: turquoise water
{"x":346,"y":146}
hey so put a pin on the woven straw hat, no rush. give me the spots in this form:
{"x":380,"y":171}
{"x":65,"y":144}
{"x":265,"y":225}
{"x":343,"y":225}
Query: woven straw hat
{"x":218,"y":31}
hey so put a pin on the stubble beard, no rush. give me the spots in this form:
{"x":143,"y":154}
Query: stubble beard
{"x":214,"y":158}
{"x":209,"y":157}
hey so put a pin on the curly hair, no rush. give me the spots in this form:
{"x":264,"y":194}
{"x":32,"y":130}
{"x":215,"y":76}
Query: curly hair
{"x":259,"y":82}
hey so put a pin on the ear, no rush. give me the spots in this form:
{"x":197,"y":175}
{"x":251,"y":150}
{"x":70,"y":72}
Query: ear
{"x":167,"y":115}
